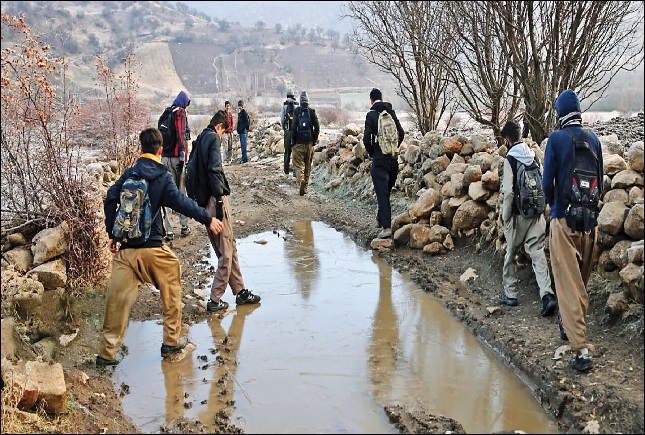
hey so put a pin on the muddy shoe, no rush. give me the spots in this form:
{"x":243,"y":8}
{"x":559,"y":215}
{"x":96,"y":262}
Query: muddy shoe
{"x":582,"y":362}
{"x":505,"y":300}
{"x":168,"y":350}
{"x":118,"y":357}
{"x":246,"y":297}
{"x":185,"y":231}
{"x":303,"y":188}
{"x":549,"y":305}
{"x":385,"y":234}
{"x":169,"y":236}
{"x":213,"y":306}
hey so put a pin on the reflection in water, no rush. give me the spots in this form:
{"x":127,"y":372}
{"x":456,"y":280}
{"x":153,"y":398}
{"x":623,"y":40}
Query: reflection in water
{"x":223,"y":382}
{"x":302,"y":257}
{"x":384,"y":347}
{"x":364,"y":337}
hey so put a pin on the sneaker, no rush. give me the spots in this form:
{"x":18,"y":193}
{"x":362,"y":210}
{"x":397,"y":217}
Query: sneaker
{"x":303,"y":187}
{"x":213,"y":306}
{"x":582,"y":362}
{"x":548,"y":305}
{"x":118,"y":357}
{"x":385,"y":234}
{"x":169,"y":350}
{"x":169,"y":236}
{"x":503,"y":299}
{"x":246,"y":297}
{"x":563,"y":334}
{"x":185,"y":231}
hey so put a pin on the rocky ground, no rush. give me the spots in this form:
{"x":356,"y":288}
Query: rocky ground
{"x":609,"y":399}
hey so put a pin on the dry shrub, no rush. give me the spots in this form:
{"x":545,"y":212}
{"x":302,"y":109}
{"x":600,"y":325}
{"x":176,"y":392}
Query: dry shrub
{"x":333,"y":116}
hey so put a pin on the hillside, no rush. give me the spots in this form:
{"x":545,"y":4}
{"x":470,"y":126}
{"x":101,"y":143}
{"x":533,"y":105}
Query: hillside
{"x":207,"y":57}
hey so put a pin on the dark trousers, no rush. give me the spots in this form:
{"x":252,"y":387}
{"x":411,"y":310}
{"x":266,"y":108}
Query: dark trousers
{"x":288,"y":134}
{"x":384,"y":171}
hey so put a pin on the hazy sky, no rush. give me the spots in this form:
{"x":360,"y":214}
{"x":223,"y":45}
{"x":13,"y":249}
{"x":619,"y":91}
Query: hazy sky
{"x":309,"y":14}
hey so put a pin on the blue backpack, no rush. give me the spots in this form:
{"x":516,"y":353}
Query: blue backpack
{"x":304,"y":130}
{"x":134,"y":218}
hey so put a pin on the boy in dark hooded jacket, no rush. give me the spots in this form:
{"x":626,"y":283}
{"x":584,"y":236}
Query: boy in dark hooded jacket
{"x":571,"y":250}
{"x":384,"y":168}
{"x":152,"y":262}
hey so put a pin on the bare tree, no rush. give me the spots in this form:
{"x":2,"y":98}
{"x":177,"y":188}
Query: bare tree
{"x":481,"y":71}
{"x":555,"y":46}
{"x":402,"y":39}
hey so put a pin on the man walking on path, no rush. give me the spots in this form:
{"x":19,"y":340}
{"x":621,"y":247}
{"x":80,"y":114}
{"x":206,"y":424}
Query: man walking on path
{"x":243,"y":125}
{"x":227,"y":136}
{"x":151,"y":262}
{"x":173,"y":159}
{"x":215,"y":183}
{"x":286,"y":119}
{"x":522,"y":230}
{"x":573,"y":226}
{"x":384,"y":168}
{"x":307,"y":129}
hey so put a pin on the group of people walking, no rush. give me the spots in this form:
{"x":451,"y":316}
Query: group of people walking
{"x":571,"y":240}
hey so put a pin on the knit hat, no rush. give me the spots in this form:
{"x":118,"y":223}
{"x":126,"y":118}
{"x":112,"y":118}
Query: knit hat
{"x":304,"y":99}
{"x":240,"y":103}
{"x":290,"y":93}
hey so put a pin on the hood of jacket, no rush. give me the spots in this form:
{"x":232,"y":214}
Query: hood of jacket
{"x":522,"y":153}
{"x":148,"y":168}
{"x":566,"y":103}
{"x":181,"y":100}
{"x":380,"y":106}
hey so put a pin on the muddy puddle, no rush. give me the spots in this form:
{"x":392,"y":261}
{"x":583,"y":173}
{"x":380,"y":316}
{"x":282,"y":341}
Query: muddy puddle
{"x":338,"y":335}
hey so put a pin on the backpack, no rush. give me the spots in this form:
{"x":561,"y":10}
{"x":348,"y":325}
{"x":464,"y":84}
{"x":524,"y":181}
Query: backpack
{"x":583,"y":193}
{"x":304,"y":130}
{"x":193,"y":172}
{"x":134,"y":218}
{"x":168,"y":129}
{"x":528,"y":196}
{"x":289,"y":115}
{"x":388,"y":135}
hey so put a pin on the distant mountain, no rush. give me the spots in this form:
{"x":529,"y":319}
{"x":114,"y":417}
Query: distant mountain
{"x":326,"y":14}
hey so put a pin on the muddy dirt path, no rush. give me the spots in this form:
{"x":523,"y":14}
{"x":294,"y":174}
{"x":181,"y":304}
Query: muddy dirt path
{"x":609,"y":399}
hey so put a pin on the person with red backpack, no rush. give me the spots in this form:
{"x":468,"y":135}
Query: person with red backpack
{"x":173,"y":155}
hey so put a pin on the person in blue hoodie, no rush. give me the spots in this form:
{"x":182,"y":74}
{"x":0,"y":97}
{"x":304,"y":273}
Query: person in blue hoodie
{"x":384,"y":168}
{"x":571,"y":247}
{"x":522,"y":230}
{"x":151,"y":262}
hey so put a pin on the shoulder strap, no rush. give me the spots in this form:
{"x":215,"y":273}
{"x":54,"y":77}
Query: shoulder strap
{"x":513,"y":162}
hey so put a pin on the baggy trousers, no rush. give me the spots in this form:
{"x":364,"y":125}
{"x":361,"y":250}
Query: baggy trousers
{"x":227,"y":147}
{"x":302,"y":154}
{"x":384,"y":172}
{"x":531,"y":232}
{"x":132,"y":268}
{"x":572,"y":254}
{"x":228,"y":267}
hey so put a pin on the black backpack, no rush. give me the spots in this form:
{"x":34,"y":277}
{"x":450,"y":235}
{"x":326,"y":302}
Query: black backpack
{"x":288,"y":122}
{"x":196,"y":189}
{"x":528,"y":196}
{"x":304,"y":130}
{"x":583,"y":193}
{"x":168,"y":129}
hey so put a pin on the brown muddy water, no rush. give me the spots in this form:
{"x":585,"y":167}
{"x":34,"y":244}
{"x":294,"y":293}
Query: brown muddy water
{"x":338,"y":335}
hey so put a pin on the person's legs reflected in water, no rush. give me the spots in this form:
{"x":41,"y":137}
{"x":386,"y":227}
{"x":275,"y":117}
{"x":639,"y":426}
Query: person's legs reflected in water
{"x":223,"y":361}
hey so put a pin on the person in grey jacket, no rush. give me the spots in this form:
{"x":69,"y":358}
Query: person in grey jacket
{"x":520,"y":230}
{"x":286,"y":119}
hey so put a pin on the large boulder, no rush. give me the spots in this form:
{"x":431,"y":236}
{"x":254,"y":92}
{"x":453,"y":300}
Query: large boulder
{"x":469,"y":215}
{"x":612,"y":217}
{"x":635,"y":157}
{"x":427,"y":202}
{"x":50,"y":243}
{"x":634,"y":222}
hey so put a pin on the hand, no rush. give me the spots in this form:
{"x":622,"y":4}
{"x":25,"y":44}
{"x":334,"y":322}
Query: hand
{"x":113,"y":246}
{"x":216,"y":226}
{"x":179,"y":167}
{"x":219,"y":210}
